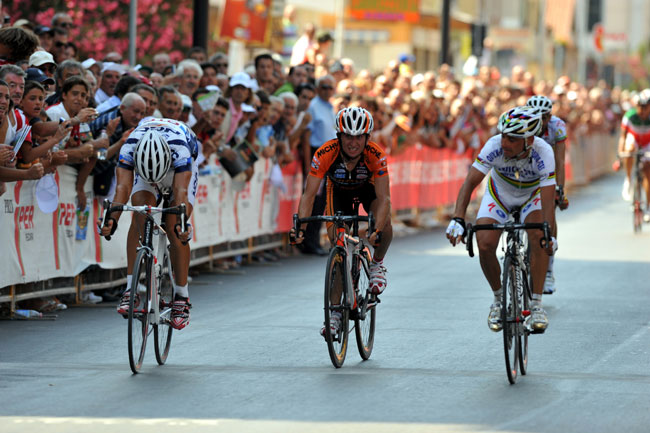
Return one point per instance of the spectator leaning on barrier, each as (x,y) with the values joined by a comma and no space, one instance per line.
(79,147)
(40,149)
(129,114)
(8,170)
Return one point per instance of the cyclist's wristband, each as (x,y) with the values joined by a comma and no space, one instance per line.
(460,221)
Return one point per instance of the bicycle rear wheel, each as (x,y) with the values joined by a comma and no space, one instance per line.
(138,317)
(162,330)
(509,315)
(364,329)
(337,345)
(638,210)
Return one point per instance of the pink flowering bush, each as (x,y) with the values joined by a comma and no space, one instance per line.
(103,25)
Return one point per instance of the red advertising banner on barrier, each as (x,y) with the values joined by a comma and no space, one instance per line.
(245,20)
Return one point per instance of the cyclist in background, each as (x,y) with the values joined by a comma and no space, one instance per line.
(522,173)
(554,133)
(635,135)
(356,169)
(163,154)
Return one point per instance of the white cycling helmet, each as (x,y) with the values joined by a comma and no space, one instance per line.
(354,121)
(520,122)
(541,102)
(644,97)
(152,157)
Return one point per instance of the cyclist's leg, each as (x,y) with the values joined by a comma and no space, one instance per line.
(179,253)
(646,179)
(386,233)
(336,200)
(492,210)
(538,257)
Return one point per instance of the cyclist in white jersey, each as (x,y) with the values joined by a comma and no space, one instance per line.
(554,133)
(151,150)
(522,173)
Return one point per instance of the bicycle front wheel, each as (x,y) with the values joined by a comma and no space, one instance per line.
(510,314)
(138,316)
(162,330)
(337,343)
(364,328)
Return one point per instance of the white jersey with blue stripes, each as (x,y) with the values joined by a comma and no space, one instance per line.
(180,138)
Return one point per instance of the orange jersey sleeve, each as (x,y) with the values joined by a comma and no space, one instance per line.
(376,160)
(324,158)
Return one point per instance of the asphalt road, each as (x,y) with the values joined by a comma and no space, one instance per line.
(252,359)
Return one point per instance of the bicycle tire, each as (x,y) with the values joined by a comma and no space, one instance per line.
(163,330)
(509,315)
(526,296)
(337,345)
(364,330)
(138,316)
(637,211)
(523,334)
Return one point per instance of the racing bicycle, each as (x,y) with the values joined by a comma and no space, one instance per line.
(638,204)
(152,281)
(347,283)
(517,288)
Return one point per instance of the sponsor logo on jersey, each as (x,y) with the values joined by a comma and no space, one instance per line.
(325,149)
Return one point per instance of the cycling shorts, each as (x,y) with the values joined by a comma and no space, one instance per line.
(166,183)
(339,199)
(498,207)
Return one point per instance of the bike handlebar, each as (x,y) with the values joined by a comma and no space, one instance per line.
(146,211)
(509,227)
(334,219)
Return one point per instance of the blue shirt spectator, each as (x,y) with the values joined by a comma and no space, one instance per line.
(322,125)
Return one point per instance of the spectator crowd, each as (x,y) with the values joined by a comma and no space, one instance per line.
(81,110)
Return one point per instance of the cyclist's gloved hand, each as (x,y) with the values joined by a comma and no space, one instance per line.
(456,231)
(375,238)
(107,229)
(296,238)
(185,236)
(560,199)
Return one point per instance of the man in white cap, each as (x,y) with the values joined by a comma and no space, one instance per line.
(239,92)
(93,66)
(111,73)
(43,61)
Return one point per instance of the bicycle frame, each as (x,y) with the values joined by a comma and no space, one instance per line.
(152,228)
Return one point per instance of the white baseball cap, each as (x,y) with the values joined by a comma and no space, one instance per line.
(240,79)
(40,58)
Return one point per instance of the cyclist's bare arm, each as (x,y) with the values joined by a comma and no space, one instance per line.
(473,179)
(180,187)
(382,191)
(307,202)
(548,208)
(560,150)
(122,195)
